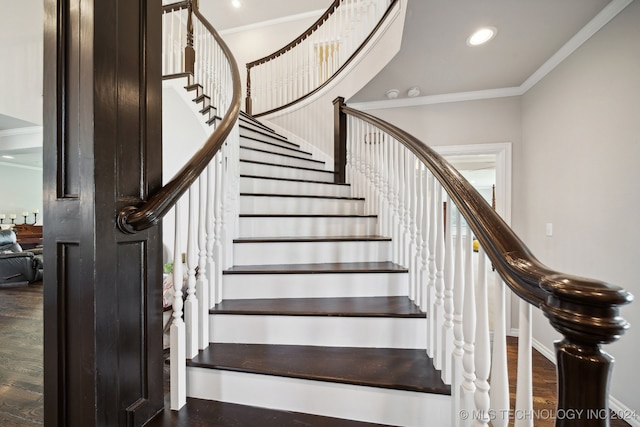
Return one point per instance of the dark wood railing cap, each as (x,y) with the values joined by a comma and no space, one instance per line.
(583,310)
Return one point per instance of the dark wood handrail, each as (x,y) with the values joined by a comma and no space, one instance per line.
(585,311)
(299,40)
(135,218)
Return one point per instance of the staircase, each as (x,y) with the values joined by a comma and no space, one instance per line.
(314,318)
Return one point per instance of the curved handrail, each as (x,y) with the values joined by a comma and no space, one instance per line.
(132,219)
(317,24)
(330,10)
(585,310)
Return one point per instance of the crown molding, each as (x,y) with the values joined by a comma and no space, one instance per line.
(21,131)
(599,21)
(438,99)
(277,21)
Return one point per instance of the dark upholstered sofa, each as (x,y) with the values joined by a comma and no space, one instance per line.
(16,265)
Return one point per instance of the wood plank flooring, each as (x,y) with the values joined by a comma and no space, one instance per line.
(21,381)
(21,384)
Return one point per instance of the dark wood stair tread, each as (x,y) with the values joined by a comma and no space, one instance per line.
(294,180)
(286,166)
(305,216)
(211,413)
(333,267)
(289,156)
(316,239)
(269,134)
(274,144)
(389,368)
(301,196)
(396,306)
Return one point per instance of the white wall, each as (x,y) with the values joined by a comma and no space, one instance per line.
(21,58)
(21,191)
(182,134)
(579,171)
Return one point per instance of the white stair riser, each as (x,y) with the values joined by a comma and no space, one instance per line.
(310,252)
(248,286)
(275,148)
(299,205)
(336,331)
(264,135)
(284,172)
(306,226)
(278,159)
(274,186)
(247,123)
(368,404)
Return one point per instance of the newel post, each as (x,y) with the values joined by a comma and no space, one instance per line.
(189,51)
(586,320)
(340,140)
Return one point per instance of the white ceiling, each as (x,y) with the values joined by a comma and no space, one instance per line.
(434,54)
(224,16)
(436,58)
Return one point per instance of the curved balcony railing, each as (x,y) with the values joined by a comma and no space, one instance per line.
(407,184)
(310,62)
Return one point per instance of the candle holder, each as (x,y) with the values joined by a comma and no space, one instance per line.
(13,220)
(25,218)
(1,220)
(35,218)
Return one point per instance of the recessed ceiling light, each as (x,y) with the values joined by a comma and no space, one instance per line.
(413,92)
(393,93)
(236,3)
(482,36)
(8,157)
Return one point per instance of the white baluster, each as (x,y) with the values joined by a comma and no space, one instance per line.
(412,226)
(202,283)
(499,372)
(407,212)
(469,328)
(483,346)
(217,250)
(438,306)
(419,212)
(524,386)
(447,326)
(211,231)
(177,352)
(431,284)
(424,272)
(458,336)
(191,304)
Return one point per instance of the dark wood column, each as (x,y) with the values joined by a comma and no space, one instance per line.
(102,151)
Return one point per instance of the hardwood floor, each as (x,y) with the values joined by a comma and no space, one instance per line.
(21,385)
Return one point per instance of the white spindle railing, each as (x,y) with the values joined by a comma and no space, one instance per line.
(174,36)
(315,57)
(212,198)
(450,280)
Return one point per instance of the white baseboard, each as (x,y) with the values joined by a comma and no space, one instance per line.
(629,415)
(544,350)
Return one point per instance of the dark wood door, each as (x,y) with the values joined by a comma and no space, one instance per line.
(102,151)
